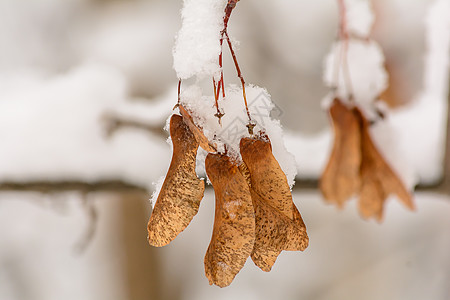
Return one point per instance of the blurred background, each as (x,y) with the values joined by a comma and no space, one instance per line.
(85,89)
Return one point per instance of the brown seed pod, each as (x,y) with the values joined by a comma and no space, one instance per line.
(275,232)
(181,192)
(278,224)
(378,180)
(267,177)
(199,136)
(234,223)
(340,179)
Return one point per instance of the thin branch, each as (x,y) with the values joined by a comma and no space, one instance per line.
(49,186)
(179,92)
(343,34)
(239,74)
(117,186)
(344,38)
(114,123)
(224,33)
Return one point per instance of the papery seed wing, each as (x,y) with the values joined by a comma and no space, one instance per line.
(297,236)
(340,179)
(372,197)
(181,192)
(279,225)
(199,136)
(377,176)
(267,177)
(274,233)
(234,223)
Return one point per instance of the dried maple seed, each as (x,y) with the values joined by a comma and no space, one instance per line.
(199,136)
(378,180)
(267,177)
(278,224)
(181,192)
(234,223)
(340,179)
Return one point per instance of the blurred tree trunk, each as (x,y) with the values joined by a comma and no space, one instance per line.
(143,271)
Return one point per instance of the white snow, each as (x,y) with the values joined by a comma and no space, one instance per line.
(366,78)
(437,24)
(156,190)
(421,124)
(359,17)
(64,65)
(53,130)
(197,47)
(196,53)
(233,124)
(38,248)
(152,112)
(130,36)
(355,66)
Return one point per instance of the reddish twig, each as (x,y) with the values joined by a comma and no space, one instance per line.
(221,82)
(239,74)
(343,34)
(230,6)
(218,114)
(344,37)
(179,92)
(221,85)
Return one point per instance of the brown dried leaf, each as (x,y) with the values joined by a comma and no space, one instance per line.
(340,179)
(234,223)
(278,224)
(378,180)
(181,192)
(203,140)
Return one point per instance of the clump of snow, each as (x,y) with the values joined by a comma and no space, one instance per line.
(233,123)
(356,67)
(53,128)
(197,45)
(196,53)
(157,189)
(437,62)
(425,119)
(359,17)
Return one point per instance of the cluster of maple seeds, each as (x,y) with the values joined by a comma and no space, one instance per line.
(356,167)
(254,214)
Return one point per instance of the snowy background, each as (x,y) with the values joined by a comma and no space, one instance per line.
(68,67)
